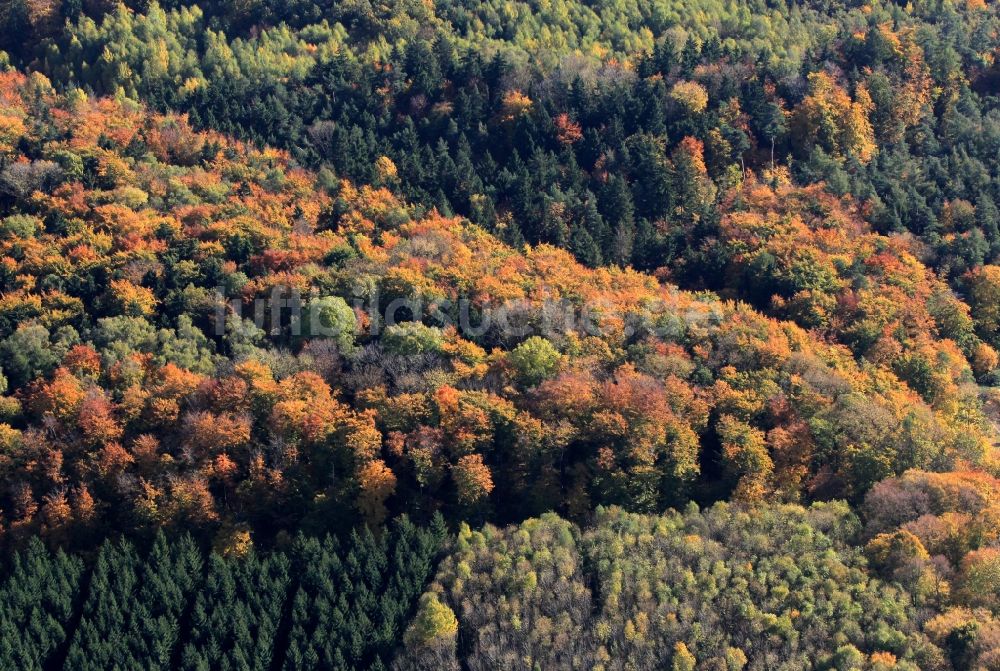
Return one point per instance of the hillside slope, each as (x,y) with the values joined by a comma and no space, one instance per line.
(137,397)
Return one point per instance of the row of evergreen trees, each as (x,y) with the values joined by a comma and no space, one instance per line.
(324,604)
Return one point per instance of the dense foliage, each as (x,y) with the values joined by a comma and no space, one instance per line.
(274,273)
(769,588)
(572,123)
(174,607)
(127,408)
(938,533)
(40,594)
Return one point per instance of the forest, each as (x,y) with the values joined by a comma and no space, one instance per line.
(528,334)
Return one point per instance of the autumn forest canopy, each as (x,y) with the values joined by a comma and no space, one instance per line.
(518,334)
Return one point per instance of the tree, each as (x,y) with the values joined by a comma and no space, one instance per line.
(473,480)
(62,397)
(28,353)
(745,458)
(331,317)
(435,623)
(132,300)
(534,360)
(827,118)
(235,618)
(41,594)
(983,285)
(568,132)
(355,594)
(377,483)
(690,96)
(979,578)
(514,106)
(133,610)
(431,638)
(618,209)
(412,338)
(899,555)
(683,659)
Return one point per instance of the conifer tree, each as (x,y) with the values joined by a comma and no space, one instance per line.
(40,596)
(236,615)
